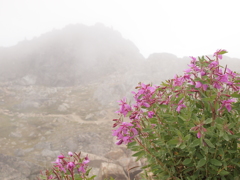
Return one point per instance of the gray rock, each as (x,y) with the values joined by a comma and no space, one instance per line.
(12,168)
(63,107)
(9,173)
(15,134)
(24,168)
(43,145)
(115,154)
(49,153)
(19,153)
(108,170)
(89,116)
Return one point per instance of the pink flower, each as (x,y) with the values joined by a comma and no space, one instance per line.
(82,169)
(193,59)
(230,73)
(200,129)
(144,104)
(58,161)
(199,84)
(86,160)
(61,156)
(70,165)
(147,88)
(125,133)
(134,131)
(203,73)
(124,107)
(178,81)
(219,53)
(70,154)
(213,64)
(119,142)
(59,165)
(199,134)
(150,114)
(222,78)
(193,65)
(180,105)
(217,85)
(187,70)
(227,104)
(51,177)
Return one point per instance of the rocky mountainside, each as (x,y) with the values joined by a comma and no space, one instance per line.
(59,92)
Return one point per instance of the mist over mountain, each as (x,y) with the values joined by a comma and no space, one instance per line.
(80,54)
(70,56)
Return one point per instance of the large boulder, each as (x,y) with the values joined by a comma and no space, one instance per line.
(111,170)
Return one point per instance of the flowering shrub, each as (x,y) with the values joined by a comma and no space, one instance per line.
(188,127)
(71,167)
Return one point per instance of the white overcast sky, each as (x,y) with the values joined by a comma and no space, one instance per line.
(181,27)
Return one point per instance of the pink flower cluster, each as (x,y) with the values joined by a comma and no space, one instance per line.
(125,133)
(200,130)
(202,75)
(64,164)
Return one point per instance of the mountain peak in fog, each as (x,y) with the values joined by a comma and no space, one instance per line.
(69,56)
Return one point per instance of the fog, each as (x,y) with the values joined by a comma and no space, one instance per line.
(60,83)
(183,28)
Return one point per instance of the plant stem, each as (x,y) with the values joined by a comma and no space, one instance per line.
(146,150)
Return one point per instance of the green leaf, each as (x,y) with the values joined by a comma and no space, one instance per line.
(235,95)
(209,143)
(195,143)
(178,132)
(182,146)
(153,120)
(187,161)
(173,142)
(208,121)
(187,137)
(92,177)
(131,144)
(201,163)
(182,118)
(147,130)
(135,148)
(222,51)
(188,170)
(236,174)
(225,136)
(223,173)
(232,151)
(160,143)
(231,125)
(139,154)
(216,162)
